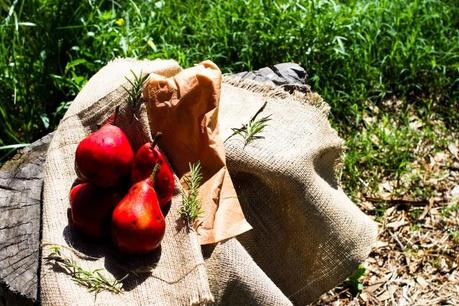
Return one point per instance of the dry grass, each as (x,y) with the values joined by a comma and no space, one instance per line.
(416,257)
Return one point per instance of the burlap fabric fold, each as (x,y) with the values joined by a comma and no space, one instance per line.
(307,235)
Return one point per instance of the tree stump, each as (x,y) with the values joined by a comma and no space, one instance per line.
(21,182)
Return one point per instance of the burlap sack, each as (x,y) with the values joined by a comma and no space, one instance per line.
(307,237)
(175,275)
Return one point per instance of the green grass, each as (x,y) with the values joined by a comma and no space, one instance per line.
(389,144)
(357,54)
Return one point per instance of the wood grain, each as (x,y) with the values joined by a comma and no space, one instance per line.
(20,211)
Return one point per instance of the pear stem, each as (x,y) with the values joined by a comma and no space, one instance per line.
(154,173)
(156,139)
(117,110)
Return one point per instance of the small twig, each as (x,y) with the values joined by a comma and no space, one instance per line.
(396,201)
(191,206)
(400,244)
(262,108)
(94,280)
(255,126)
(135,92)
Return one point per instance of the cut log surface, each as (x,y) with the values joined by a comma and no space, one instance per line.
(20,212)
(21,182)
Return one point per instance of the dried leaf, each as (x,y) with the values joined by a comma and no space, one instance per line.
(397,224)
(453,149)
(455,191)
(422,281)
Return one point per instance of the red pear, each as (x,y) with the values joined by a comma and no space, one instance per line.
(91,208)
(138,224)
(146,158)
(104,156)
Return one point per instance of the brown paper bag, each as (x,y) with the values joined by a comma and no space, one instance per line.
(184,107)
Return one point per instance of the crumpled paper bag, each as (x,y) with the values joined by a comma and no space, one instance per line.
(184,107)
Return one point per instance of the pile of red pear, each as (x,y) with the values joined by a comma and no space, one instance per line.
(120,194)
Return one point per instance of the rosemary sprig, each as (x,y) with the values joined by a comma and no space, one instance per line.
(191,206)
(93,280)
(154,173)
(135,92)
(250,131)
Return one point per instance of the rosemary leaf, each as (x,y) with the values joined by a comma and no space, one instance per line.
(94,281)
(253,128)
(191,207)
(135,92)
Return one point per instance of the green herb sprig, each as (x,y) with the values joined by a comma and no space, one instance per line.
(94,281)
(250,131)
(191,207)
(135,92)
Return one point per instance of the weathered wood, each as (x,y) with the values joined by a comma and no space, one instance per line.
(20,211)
(21,181)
